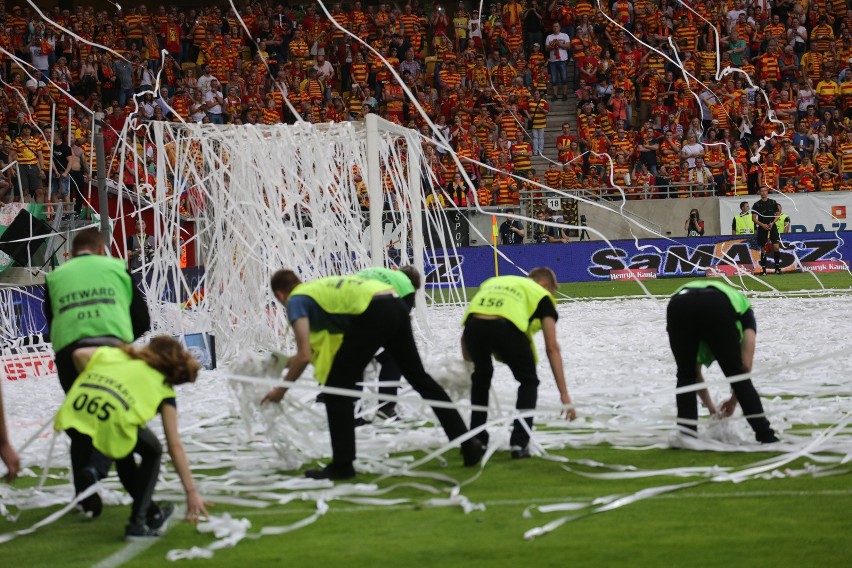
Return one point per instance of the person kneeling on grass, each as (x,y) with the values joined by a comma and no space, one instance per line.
(501,320)
(709,320)
(118,391)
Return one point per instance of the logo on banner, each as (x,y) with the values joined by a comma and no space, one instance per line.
(826,266)
(443,270)
(838,212)
(729,257)
(27,366)
(632,274)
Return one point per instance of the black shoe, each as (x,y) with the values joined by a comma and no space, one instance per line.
(139,531)
(519,453)
(91,505)
(472,451)
(320,398)
(361,422)
(767,437)
(332,471)
(777,271)
(158,514)
(387,411)
(483,438)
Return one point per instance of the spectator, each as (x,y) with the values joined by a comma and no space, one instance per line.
(693,225)
(557,45)
(214,101)
(124,81)
(511,231)
(794,60)
(547,233)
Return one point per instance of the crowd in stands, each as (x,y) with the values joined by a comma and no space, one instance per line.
(720,97)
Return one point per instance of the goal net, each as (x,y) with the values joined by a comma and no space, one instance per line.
(320,199)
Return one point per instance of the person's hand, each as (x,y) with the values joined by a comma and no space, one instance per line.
(275,395)
(728,407)
(569,413)
(196,507)
(12,461)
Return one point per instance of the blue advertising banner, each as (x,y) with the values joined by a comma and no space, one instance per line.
(649,258)
(26,311)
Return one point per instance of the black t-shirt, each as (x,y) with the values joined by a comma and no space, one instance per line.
(747,320)
(532,22)
(649,157)
(542,232)
(765,210)
(545,309)
(508,236)
(61,153)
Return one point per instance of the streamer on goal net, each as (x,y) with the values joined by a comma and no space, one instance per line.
(320,199)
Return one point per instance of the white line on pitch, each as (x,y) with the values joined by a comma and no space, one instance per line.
(523,502)
(133,549)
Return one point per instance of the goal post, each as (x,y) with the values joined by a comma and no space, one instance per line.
(375,124)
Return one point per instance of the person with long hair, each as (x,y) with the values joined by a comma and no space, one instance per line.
(80,313)
(118,391)
(694,226)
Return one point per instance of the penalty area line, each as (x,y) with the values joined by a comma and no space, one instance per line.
(539,501)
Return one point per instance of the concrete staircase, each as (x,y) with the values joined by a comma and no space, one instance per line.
(560,112)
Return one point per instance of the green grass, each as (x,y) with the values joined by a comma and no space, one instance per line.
(794,521)
(795,282)
(780,522)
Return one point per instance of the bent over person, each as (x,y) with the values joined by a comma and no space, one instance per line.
(406,282)
(501,320)
(339,323)
(90,301)
(707,321)
(119,390)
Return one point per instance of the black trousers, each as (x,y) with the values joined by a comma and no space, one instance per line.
(139,480)
(706,314)
(67,372)
(385,323)
(389,373)
(487,337)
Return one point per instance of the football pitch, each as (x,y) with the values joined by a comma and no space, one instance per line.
(626,495)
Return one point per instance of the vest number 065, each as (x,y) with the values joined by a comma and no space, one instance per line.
(93,406)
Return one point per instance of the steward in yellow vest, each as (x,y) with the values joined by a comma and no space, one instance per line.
(406,282)
(118,391)
(500,320)
(90,301)
(706,320)
(369,315)
(743,224)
